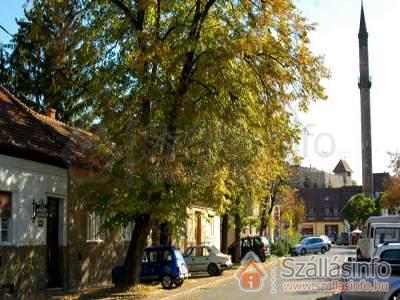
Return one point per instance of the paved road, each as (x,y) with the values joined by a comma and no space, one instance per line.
(229,288)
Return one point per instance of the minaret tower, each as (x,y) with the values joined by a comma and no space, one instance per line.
(365,86)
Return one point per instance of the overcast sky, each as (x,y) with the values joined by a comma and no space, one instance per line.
(334,125)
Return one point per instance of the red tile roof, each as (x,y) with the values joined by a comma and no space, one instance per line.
(27,134)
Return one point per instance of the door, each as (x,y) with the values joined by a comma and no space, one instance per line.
(53,247)
(198,259)
(198,228)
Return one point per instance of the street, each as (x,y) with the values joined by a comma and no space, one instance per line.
(229,289)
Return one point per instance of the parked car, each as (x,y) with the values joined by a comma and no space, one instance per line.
(258,244)
(207,259)
(310,245)
(386,252)
(377,230)
(160,263)
(327,241)
(332,237)
(344,239)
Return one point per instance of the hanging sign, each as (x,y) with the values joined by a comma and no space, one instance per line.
(40,210)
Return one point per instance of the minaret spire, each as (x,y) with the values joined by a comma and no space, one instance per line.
(365,86)
(363,26)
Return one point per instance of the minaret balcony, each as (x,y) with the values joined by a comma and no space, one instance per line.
(364,82)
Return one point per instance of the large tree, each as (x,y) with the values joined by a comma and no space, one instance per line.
(172,78)
(48,60)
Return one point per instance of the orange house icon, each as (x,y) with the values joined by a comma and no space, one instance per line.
(251,276)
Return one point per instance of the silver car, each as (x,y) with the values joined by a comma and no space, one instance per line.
(310,245)
(207,259)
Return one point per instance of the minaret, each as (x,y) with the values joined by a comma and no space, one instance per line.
(365,86)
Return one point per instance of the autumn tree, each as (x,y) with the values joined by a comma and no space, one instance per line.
(293,209)
(391,196)
(169,75)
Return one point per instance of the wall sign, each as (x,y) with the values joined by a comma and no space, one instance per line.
(40,211)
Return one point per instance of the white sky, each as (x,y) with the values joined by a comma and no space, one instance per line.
(334,125)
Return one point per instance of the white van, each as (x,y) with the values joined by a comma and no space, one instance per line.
(377,230)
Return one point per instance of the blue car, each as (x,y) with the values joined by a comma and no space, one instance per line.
(310,245)
(160,263)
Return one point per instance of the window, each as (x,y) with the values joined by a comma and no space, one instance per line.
(336,212)
(391,255)
(212,226)
(5,217)
(167,255)
(127,231)
(198,251)
(387,234)
(94,224)
(311,212)
(326,211)
(153,256)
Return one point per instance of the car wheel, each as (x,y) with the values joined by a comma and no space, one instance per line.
(323,250)
(213,270)
(178,282)
(359,257)
(166,282)
(303,251)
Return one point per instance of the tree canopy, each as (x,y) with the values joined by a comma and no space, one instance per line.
(358,209)
(193,101)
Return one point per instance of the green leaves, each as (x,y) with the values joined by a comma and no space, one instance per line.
(358,209)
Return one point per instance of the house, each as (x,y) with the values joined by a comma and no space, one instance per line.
(49,240)
(202,227)
(325,194)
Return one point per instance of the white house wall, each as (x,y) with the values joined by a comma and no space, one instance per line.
(28,180)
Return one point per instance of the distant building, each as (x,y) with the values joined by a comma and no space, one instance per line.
(309,177)
(325,194)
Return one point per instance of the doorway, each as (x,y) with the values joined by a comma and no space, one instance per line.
(53,244)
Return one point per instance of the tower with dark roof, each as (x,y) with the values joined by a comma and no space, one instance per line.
(343,169)
(364,85)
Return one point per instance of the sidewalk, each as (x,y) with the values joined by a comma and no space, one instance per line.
(147,291)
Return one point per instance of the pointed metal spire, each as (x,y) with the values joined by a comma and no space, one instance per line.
(363,26)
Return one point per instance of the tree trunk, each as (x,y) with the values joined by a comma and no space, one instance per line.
(224,233)
(165,238)
(155,233)
(133,259)
(263,218)
(237,253)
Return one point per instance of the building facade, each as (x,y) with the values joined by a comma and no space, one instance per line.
(324,200)
(49,239)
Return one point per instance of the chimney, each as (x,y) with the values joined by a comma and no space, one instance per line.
(51,113)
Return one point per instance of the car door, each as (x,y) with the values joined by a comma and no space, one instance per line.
(145,271)
(196,260)
(314,244)
(202,259)
(154,264)
(246,246)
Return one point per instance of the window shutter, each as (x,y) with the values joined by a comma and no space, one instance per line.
(5,205)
